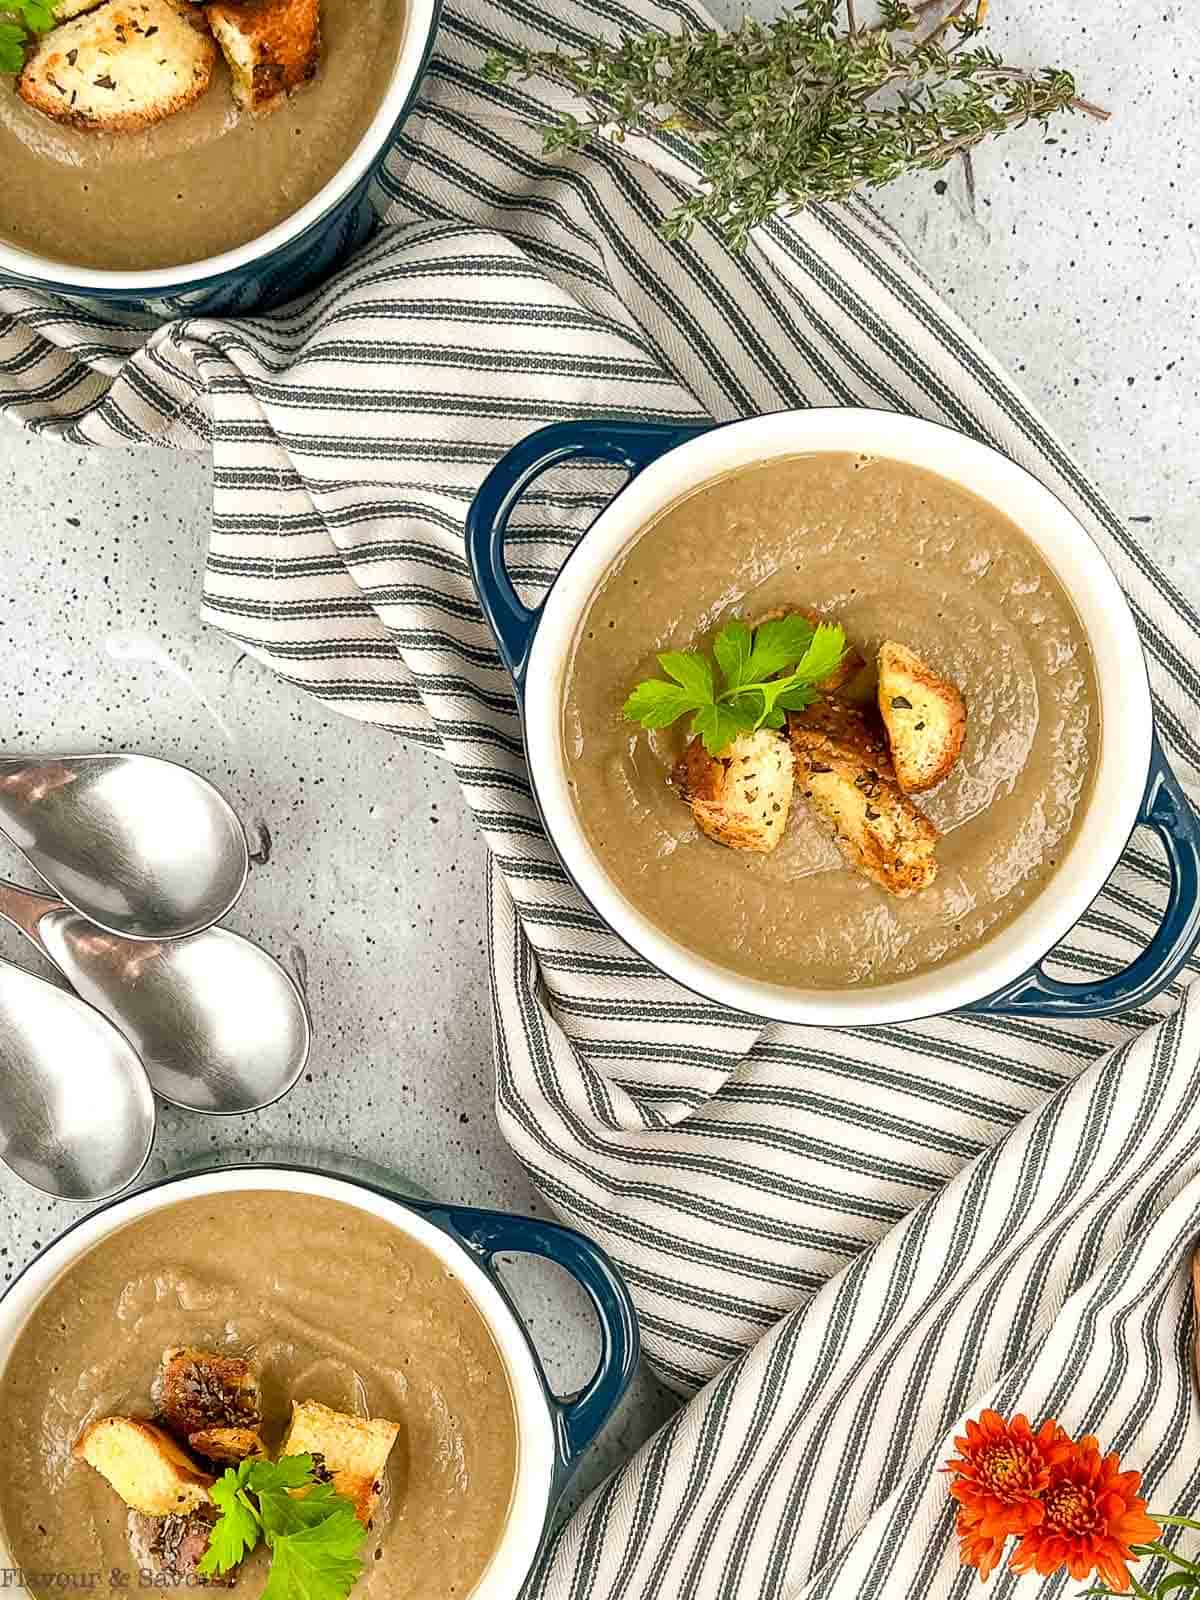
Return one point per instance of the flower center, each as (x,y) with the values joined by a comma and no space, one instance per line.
(1071,1508)
(1002,1465)
(1007,1470)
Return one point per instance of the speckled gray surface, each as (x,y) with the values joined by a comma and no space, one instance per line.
(1078,263)
(374,874)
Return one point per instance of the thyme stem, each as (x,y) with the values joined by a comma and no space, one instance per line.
(917,10)
(947,22)
(785,114)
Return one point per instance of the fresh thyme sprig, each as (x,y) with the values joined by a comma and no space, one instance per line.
(810,107)
(20,21)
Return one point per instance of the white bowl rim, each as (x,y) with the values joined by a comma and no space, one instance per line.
(420,24)
(533,1489)
(1111,808)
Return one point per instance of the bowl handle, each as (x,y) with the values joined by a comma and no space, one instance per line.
(632,445)
(1167,810)
(578,1418)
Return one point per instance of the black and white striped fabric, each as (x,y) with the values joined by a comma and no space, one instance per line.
(842,1240)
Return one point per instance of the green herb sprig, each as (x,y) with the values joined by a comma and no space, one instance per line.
(1179,1581)
(315,1538)
(764,673)
(20,22)
(810,107)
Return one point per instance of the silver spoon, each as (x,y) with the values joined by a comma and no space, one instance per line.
(142,847)
(218,1023)
(76,1110)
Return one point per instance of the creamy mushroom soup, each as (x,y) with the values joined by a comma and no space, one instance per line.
(334,1306)
(889,551)
(206,180)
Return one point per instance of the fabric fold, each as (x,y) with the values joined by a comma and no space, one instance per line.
(1051,1275)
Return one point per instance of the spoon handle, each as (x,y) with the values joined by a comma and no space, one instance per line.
(24,910)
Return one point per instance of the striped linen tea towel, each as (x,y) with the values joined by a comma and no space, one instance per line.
(838,1241)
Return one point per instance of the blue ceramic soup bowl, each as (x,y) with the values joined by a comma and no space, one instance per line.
(552,1432)
(1132,784)
(293,256)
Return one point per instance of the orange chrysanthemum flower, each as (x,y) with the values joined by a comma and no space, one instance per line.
(1092,1515)
(1001,1472)
(976,1549)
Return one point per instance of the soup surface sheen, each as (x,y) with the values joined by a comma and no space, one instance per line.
(889,551)
(204,181)
(336,1307)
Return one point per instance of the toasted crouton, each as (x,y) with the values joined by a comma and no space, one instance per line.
(353,1450)
(851,663)
(144,1465)
(228,1444)
(877,827)
(200,1390)
(742,797)
(858,728)
(272,47)
(170,1549)
(124,66)
(925,718)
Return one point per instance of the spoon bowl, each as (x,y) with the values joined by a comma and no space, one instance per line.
(139,846)
(219,1025)
(77,1114)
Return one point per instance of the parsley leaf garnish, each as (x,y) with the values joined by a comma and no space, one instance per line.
(314,1538)
(317,1563)
(289,1472)
(765,672)
(692,672)
(284,1513)
(19,21)
(12,46)
(779,643)
(656,704)
(237,1530)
